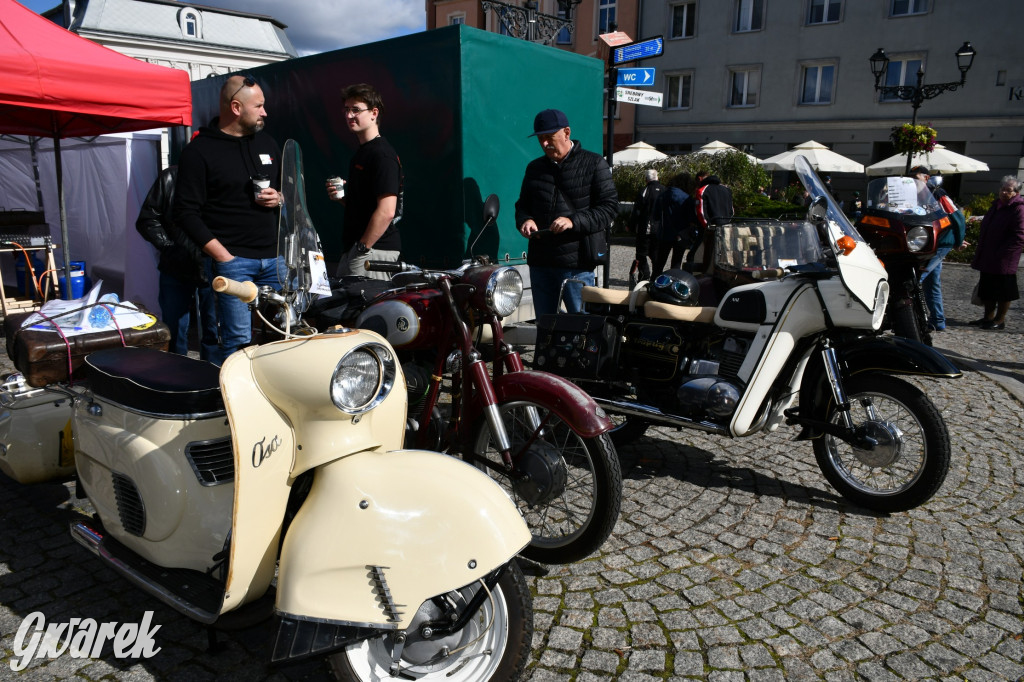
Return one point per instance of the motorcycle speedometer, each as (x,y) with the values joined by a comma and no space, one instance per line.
(363,378)
(917,238)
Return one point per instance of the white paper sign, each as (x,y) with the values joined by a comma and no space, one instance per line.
(902,194)
(318,270)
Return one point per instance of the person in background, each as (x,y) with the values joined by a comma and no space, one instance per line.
(949,239)
(566,203)
(713,206)
(373,192)
(998,254)
(184,271)
(216,202)
(677,224)
(855,207)
(643,221)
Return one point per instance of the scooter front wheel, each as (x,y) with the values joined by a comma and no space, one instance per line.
(494,645)
(567,487)
(911,458)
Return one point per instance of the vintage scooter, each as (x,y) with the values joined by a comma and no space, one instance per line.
(801,348)
(288,463)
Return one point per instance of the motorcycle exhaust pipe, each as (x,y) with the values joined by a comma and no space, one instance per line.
(633,409)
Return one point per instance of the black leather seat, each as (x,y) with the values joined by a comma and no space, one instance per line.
(154,381)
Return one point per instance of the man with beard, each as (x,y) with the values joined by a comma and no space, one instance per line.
(218,202)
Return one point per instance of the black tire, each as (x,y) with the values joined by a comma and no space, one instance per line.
(913,455)
(497,652)
(903,319)
(627,430)
(576,514)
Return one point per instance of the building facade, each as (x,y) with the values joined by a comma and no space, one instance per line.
(765,75)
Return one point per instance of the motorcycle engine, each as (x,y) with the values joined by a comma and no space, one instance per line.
(710,388)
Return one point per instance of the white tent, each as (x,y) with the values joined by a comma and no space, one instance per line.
(638,152)
(719,147)
(939,159)
(821,158)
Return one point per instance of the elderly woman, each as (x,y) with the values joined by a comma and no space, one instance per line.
(998,252)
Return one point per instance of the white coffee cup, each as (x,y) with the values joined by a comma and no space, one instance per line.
(260,184)
(337,187)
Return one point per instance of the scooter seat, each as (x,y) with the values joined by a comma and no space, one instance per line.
(612,296)
(679,313)
(155,382)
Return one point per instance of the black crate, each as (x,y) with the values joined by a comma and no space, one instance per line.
(577,346)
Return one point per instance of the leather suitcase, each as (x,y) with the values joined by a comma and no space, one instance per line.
(43,357)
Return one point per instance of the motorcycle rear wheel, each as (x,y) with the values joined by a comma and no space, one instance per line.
(912,459)
(587,482)
(494,645)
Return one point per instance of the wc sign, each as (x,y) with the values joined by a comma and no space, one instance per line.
(636,78)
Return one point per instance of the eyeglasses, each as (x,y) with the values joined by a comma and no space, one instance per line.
(247,82)
(353,111)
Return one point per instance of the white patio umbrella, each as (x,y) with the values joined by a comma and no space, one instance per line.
(939,159)
(719,147)
(638,152)
(820,157)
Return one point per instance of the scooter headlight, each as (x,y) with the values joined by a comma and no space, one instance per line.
(881,299)
(363,378)
(917,239)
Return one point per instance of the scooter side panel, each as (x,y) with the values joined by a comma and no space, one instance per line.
(35,437)
(428,522)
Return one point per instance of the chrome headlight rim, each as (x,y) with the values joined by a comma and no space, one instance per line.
(386,373)
(497,296)
(881,301)
(917,239)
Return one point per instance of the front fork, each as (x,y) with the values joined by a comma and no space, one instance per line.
(853,435)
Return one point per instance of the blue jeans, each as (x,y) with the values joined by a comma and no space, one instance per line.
(931,286)
(177,301)
(234,317)
(546,283)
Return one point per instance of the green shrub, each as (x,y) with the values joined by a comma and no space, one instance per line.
(975,208)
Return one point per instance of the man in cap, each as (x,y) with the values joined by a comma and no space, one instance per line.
(566,204)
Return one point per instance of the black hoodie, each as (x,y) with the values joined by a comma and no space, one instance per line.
(214,197)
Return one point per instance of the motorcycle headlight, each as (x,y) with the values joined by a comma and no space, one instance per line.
(363,378)
(917,239)
(504,291)
(881,299)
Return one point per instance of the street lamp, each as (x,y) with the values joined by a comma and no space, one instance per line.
(917,94)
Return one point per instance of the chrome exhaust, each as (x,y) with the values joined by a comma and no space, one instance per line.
(634,409)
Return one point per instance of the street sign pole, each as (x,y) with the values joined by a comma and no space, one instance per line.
(613,75)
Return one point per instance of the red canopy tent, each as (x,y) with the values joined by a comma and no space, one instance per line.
(57,85)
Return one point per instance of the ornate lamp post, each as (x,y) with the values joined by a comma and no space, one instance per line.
(917,94)
(527,23)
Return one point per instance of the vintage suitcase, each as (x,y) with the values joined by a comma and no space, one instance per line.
(577,346)
(43,357)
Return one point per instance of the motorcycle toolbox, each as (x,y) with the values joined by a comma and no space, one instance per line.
(577,346)
(43,357)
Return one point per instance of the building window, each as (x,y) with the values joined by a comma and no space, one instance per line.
(679,91)
(749,15)
(818,84)
(901,8)
(824,11)
(191,23)
(745,85)
(684,17)
(457,19)
(563,37)
(901,72)
(605,15)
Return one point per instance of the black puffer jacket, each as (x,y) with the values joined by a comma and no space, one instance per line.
(580,188)
(180,257)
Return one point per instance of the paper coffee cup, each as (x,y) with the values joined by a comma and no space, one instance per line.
(260,184)
(337,187)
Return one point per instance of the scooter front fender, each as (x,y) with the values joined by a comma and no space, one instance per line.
(567,400)
(382,532)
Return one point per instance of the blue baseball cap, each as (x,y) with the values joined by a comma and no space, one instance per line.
(548,121)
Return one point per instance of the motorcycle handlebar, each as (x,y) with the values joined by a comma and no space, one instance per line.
(768,273)
(389,266)
(244,291)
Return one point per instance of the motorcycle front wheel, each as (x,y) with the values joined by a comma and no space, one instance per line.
(568,488)
(911,460)
(494,645)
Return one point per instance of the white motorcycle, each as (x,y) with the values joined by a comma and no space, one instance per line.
(287,463)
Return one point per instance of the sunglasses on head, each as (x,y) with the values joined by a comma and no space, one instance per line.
(247,82)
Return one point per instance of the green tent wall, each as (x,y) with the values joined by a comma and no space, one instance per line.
(458,107)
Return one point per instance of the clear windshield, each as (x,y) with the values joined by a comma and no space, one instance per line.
(297,238)
(902,195)
(748,246)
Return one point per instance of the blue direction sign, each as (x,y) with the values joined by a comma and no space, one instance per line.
(636,77)
(642,49)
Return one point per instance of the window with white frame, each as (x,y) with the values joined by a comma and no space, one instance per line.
(745,83)
(679,90)
(749,15)
(818,83)
(457,18)
(605,15)
(824,11)
(191,23)
(684,15)
(902,8)
(901,71)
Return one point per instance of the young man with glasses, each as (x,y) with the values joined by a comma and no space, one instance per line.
(373,192)
(216,202)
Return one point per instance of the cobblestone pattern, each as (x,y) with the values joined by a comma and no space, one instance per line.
(732,560)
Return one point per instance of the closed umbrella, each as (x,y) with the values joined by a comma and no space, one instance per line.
(638,152)
(821,158)
(719,147)
(940,160)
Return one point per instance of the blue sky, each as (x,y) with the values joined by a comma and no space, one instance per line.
(321,25)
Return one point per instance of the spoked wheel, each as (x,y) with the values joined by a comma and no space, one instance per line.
(494,645)
(568,488)
(911,459)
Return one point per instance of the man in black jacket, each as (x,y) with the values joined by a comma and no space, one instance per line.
(641,220)
(216,203)
(566,205)
(714,208)
(184,280)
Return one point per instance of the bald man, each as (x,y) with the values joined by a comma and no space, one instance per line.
(217,205)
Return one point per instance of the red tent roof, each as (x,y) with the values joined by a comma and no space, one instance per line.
(56,83)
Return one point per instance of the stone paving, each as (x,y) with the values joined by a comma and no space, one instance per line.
(732,560)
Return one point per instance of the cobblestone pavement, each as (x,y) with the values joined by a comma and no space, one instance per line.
(732,560)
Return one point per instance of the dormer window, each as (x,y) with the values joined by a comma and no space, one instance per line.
(191,23)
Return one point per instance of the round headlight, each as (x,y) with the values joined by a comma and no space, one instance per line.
(917,238)
(363,378)
(504,291)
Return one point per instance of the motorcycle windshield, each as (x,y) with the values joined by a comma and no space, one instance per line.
(860,270)
(902,196)
(297,239)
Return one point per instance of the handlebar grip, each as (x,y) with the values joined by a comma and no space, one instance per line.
(768,273)
(244,291)
(387,266)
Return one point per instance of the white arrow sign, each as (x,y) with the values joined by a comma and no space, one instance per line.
(650,99)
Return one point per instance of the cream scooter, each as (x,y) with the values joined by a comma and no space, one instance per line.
(290,460)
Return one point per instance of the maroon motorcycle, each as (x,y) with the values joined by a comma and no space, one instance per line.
(540,436)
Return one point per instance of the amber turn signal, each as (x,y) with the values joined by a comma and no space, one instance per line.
(846,244)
